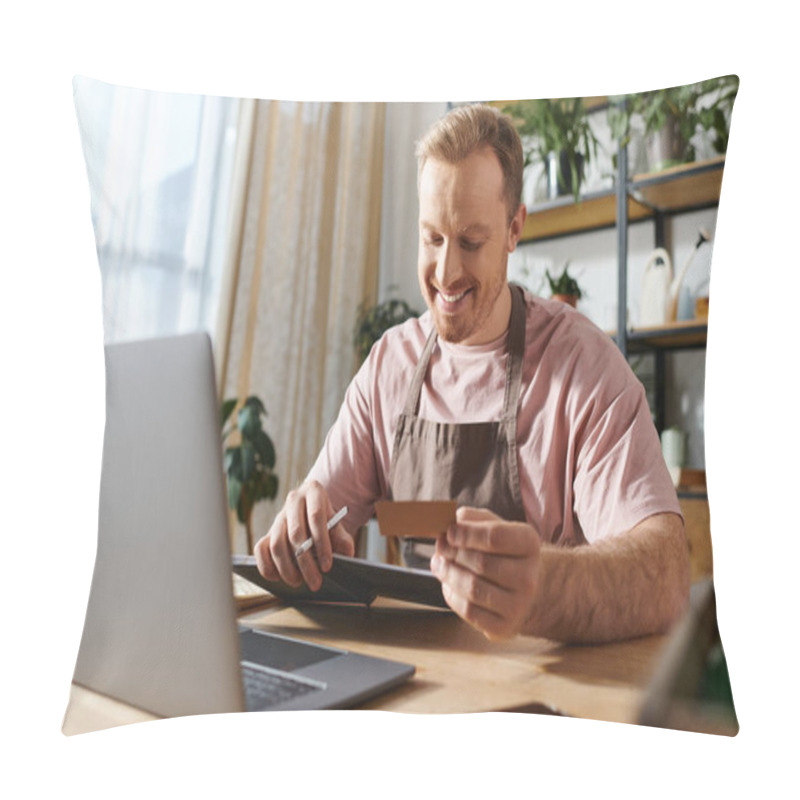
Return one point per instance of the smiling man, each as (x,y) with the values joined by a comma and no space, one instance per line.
(465,238)
(568,525)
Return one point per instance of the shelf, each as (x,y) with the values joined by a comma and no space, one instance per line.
(680,188)
(685,334)
(688,333)
(564,216)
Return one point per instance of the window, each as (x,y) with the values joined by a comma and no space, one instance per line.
(160,169)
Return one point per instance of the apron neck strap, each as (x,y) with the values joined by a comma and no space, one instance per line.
(412,399)
(516,350)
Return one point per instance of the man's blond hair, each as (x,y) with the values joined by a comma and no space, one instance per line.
(466,129)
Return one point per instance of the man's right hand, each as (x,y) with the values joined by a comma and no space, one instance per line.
(305,513)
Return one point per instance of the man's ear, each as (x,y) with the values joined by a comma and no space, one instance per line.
(515,229)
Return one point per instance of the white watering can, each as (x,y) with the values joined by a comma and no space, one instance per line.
(656,289)
(660,290)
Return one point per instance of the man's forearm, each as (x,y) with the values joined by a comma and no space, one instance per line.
(630,585)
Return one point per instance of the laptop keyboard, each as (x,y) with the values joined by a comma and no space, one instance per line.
(264,688)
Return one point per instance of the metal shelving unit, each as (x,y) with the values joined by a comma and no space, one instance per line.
(638,198)
(634,199)
(680,190)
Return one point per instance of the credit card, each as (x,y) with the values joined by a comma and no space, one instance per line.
(417,519)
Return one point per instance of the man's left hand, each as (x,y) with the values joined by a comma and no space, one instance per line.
(489,570)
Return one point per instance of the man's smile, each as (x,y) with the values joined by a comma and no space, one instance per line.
(451,301)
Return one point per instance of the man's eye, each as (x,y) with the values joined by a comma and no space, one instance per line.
(470,245)
(433,240)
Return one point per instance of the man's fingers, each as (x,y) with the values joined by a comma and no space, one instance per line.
(492,536)
(318,511)
(504,571)
(482,604)
(266,566)
(471,514)
(305,561)
(342,542)
(282,550)
(489,571)
(299,546)
(474,588)
(273,555)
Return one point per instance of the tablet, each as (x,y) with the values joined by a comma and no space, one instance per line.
(352,580)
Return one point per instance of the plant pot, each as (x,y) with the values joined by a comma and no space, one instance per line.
(667,147)
(569,299)
(560,183)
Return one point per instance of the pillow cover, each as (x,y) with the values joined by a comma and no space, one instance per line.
(191,235)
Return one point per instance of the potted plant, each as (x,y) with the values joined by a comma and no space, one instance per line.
(564,287)
(374,321)
(249,459)
(671,118)
(558,134)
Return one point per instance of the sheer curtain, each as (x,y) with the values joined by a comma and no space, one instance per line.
(159,168)
(257,221)
(304,258)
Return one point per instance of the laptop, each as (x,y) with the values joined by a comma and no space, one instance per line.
(160,631)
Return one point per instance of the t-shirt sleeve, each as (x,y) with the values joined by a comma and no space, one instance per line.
(346,464)
(620,475)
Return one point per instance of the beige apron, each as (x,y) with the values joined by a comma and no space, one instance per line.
(473,463)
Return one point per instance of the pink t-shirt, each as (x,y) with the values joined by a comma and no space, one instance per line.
(590,462)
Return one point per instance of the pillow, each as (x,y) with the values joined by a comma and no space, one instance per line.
(190,236)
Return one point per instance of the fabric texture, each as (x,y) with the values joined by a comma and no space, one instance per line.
(590,462)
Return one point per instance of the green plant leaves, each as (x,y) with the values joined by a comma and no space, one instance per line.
(548,126)
(234,491)
(255,403)
(266,486)
(243,506)
(373,321)
(564,283)
(265,449)
(556,126)
(232,461)
(705,105)
(225,410)
(249,465)
(248,461)
(248,421)
(619,119)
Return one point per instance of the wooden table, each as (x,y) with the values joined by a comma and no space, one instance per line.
(457,669)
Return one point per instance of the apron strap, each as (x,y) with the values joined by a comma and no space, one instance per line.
(412,400)
(516,352)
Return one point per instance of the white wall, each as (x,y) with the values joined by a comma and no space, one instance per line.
(405,124)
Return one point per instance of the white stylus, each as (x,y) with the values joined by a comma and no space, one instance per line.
(332,522)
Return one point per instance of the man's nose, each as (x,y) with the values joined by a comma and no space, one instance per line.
(448,266)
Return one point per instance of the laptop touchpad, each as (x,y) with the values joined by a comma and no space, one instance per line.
(281,653)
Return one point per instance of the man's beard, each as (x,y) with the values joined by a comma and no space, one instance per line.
(456,328)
